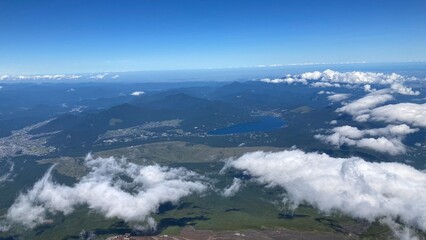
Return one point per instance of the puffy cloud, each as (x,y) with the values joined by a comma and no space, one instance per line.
(104,190)
(137,93)
(409,113)
(364,105)
(388,139)
(368,88)
(392,146)
(401,89)
(355,77)
(352,186)
(338,97)
(330,78)
(312,75)
(233,189)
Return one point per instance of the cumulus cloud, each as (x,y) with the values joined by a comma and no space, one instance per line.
(330,78)
(233,189)
(312,75)
(137,93)
(384,140)
(368,88)
(364,105)
(352,186)
(338,97)
(401,89)
(409,113)
(355,77)
(104,190)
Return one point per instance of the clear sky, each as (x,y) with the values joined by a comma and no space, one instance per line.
(77,36)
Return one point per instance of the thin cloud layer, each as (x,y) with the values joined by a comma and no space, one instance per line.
(105,190)
(288,80)
(7,168)
(352,186)
(384,140)
(338,97)
(58,77)
(233,188)
(40,77)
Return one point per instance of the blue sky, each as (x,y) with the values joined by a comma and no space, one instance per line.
(78,36)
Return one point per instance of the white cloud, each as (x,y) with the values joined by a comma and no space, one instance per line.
(401,89)
(400,232)
(10,166)
(338,97)
(365,104)
(288,80)
(368,88)
(137,93)
(4,227)
(330,78)
(352,186)
(104,191)
(325,84)
(409,113)
(356,77)
(392,146)
(384,140)
(99,76)
(233,189)
(41,77)
(312,75)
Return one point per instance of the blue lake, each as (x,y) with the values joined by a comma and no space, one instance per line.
(263,124)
